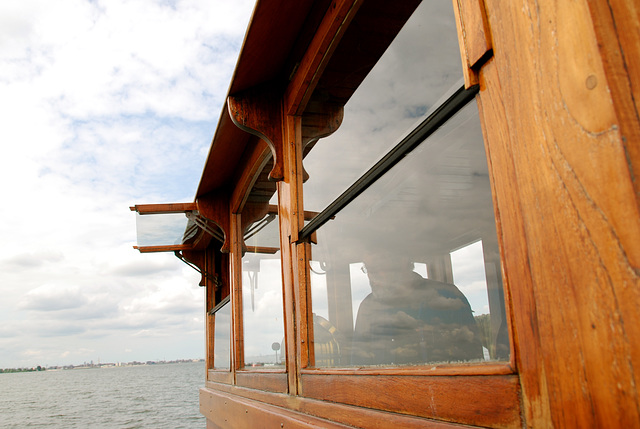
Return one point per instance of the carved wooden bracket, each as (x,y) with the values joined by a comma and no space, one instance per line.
(215,208)
(258,111)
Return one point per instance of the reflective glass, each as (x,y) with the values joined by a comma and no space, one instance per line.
(409,272)
(410,79)
(163,229)
(262,311)
(222,338)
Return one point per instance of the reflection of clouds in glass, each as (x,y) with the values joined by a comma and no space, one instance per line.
(422,63)
(263,324)
(420,269)
(433,209)
(266,234)
(160,229)
(469,276)
(435,200)
(222,344)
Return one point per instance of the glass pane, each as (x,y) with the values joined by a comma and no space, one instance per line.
(222,338)
(262,310)
(164,229)
(409,272)
(413,75)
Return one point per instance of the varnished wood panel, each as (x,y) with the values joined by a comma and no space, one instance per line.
(518,271)
(339,413)
(233,412)
(491,401)
(272,382)
(617,28)
(220,376)
(568,215)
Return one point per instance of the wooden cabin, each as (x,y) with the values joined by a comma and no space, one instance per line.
(421,214)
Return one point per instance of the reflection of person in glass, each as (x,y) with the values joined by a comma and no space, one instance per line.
(407,319)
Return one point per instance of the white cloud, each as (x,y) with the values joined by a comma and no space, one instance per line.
(103,104)
(53,297)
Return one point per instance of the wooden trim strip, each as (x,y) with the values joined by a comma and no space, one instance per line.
(263,249)
(167,248)
(145,209)
(435,370)
(326,39)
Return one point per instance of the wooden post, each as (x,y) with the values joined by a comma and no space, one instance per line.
(210,302)
(237,345)
(291,220)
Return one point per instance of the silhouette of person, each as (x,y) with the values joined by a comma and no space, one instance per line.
(407,319)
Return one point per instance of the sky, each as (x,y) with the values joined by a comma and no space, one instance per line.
(104,104)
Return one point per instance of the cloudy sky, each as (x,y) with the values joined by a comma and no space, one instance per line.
(103,104)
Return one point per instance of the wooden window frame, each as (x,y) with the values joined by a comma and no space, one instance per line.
(479,394)
(489,390)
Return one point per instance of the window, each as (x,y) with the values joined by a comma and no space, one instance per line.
(411,79)
(222,335)
(262,312)
(406,269)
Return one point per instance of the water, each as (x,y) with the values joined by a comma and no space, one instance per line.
(151,396)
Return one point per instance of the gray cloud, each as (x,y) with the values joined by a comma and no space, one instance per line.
(54,328)
(104,106)
(53,298)
(32,259)
(141,268)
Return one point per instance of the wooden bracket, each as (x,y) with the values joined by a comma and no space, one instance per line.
(215,207)
(258,111)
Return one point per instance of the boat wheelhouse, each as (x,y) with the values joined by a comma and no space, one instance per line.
(421,214)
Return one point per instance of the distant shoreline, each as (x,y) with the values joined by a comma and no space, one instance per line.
(91,365)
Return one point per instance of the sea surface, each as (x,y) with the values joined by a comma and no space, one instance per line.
(146,396)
